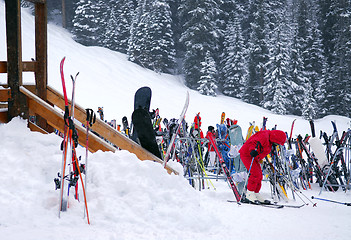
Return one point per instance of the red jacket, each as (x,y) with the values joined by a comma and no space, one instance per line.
(262,141)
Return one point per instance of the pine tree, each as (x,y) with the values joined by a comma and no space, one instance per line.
(118,23)
(341,67)
(160,34)
(207,83)
(315,66)
(199,36)
(234,72)
(151,42)
(277,85)
(258,52)
(87,27)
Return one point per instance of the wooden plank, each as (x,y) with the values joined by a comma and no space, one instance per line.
(107,131)
(41,50)
(41,56)
(3,67)
(5,94)
(3,105)
(35,128)
(55,119)
(3,116)
(29,66)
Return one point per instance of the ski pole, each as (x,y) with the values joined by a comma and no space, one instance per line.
(90,120)
(328,200)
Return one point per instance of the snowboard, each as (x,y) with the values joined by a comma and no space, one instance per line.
(142,99)
(146,134)
(236,141)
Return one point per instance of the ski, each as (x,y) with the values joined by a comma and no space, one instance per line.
(291,131)
(272,205)
(210,137)
(222,117)
(267,205)
(181,118)
(62,202)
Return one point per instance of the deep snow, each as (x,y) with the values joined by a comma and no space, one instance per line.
(132,199)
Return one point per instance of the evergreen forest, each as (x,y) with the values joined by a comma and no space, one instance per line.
(288,56)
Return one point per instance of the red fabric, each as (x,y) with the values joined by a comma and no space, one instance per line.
(210,147)
(261,141)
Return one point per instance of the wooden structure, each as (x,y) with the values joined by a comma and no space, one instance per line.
(42,101)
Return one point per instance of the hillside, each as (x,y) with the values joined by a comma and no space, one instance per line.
(128,198)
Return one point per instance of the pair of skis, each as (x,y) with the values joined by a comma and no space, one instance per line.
(70,136)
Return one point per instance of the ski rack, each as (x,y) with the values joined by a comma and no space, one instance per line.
(347,185)
(52,111)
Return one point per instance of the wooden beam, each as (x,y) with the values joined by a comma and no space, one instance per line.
(5,94)
(55,119)
(41,50)
(17,104)
(41,56)
(3,117)
(35,128)
(3,105)
(3,67)
(27,66)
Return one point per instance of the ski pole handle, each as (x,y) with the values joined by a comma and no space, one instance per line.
(91,116)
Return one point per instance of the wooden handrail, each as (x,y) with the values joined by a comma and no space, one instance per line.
(100,127)
(55,119)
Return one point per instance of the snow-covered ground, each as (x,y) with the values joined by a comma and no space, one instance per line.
(132,199)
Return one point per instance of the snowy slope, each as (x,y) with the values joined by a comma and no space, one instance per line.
(128,198)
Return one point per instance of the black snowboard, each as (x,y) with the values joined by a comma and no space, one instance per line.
(146,134)
(142,99)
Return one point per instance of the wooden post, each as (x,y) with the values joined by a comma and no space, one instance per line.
(17,104)
(41,56)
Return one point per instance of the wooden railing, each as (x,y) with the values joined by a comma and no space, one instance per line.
(54,117)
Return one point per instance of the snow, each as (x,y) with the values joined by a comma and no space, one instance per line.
(132,199)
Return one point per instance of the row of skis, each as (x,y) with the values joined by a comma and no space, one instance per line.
(304,160)
(293,167)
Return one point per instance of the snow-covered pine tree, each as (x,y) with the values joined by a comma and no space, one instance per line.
(315,66)
(138,34)
(199,36)
(234,63)
(118,23)
(160,35)
(277,85)
(340,77)
(258,52)
(87,22)
(151,42)
(207,82)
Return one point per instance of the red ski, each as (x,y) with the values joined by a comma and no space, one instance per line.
(230,181)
